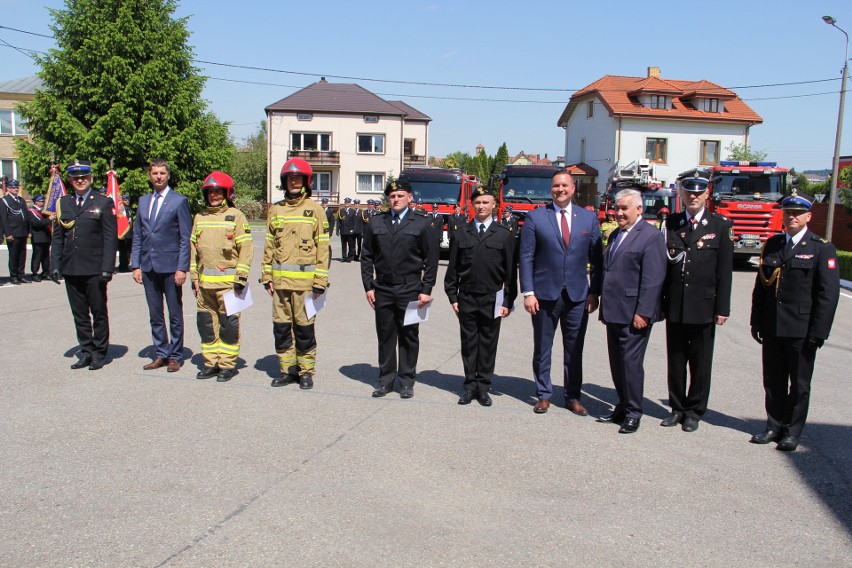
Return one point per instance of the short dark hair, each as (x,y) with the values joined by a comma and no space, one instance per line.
(159,163)
(562,172)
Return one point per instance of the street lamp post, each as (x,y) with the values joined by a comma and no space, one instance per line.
(832,194)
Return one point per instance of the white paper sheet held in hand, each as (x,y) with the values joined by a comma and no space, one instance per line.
(413,314)
(498,302)
(313,306)
(234,304)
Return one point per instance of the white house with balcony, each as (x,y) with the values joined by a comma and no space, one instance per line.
(352,138)
(675,125)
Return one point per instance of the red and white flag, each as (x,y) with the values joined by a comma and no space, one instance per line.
(120,214)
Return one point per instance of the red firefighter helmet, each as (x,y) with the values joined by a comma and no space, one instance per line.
(610,212)
(661,211)
(297,166)
(589,208)
(219,180)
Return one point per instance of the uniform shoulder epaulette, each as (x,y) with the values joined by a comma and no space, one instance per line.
(718,216)
(818,238)
(421,213)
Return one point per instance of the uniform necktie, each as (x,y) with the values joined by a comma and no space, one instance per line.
(79,202)
(692,223)
(566,232)
(395,220)
(155,207)
(789,247)
(481,229)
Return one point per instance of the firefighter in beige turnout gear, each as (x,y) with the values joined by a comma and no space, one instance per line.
(221,255)
(295,264)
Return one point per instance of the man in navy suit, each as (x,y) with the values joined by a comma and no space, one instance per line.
(160,261)
(558,242)
(633,276)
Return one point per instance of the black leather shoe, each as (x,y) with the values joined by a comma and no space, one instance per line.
(787,444)
(207,373)
(95,365)
(629,426)
(672,419)
(36,278)
(765,437)
(306,382)
(84,362)
(284,380)
(15,282)
(226,375)
(613,416)
(690,424)
(485,399)
(466,398)
(406,392)
(381,391)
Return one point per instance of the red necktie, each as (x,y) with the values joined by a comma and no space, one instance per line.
(566,232)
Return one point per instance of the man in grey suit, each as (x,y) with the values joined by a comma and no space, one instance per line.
(160,261)
(558,242)
(633,276)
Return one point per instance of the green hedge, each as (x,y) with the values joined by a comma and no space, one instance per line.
(844,258)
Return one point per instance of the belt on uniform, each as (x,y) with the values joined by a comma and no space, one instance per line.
(295,267)
(397,279)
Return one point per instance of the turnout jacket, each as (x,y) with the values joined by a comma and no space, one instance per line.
(221,248)
(700,265)
(482,265)
(796,292)
(296,253)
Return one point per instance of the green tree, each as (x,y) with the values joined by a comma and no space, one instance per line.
(457,160)
(844,186)
(744,153)
(249,167)
(500,160)
(120,86)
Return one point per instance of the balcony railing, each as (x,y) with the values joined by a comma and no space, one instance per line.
(316,158)
(413,160)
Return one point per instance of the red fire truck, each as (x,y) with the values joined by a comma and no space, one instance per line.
(525,188)
(747,193)
(446,187)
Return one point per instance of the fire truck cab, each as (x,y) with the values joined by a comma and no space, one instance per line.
(525,188)
(639,175)
(444,187)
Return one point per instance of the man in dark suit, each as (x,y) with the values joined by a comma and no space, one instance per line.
(346,230)
(16,227)
(83,251)
(558,242)
(160,261)
(40,239)
(792,308)
(330,217)
(634,271)
(696,299)
(399,266)
(482,262)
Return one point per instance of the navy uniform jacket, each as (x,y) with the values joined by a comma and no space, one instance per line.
(13,212)
(482,266)
(84,240)
(698,279)
(798,292)
(346,220)
(331,218)
(39,226)
(511,223)
(408,255)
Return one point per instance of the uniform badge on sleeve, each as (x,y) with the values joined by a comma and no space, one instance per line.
(832,263)
(309,213)
(230,218)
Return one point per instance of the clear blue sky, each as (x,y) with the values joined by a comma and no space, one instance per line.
(543,45)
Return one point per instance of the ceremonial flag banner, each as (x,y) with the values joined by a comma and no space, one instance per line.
(55,190)
(120,214)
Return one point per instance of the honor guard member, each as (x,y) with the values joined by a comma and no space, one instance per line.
(399,265)
(482,262)
(330,218)
(510,221)
(696,298)
(295,265)
(346,229)
(456,220)
(360,220)
(40,239)
(608,226)
(83,251)
(16,228)
(792,309)
(371,208)
(125,242)
(220,261)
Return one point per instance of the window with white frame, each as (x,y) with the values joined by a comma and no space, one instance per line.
(659,101)
(12,124)
(655,149)
(305,141)
(590,109)
(371,118)
(371,183)
(711,105)
(371,143)
(9,168)
(709,152)
(321,184)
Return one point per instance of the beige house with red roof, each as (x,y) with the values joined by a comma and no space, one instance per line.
(352,138)
(675,125)
(12,126)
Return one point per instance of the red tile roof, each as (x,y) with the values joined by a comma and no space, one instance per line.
(582,169)
(615,93)
(349,98)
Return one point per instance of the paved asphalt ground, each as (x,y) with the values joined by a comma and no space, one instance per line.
(125,467)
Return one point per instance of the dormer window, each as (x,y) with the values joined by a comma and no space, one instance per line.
(659,101)
(711,105)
